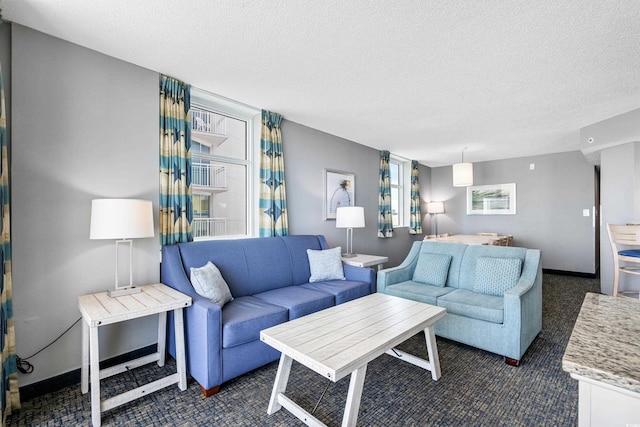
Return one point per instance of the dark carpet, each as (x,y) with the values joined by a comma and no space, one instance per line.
(476,389)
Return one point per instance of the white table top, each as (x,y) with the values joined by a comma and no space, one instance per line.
(469,239)
(362,260)
(335,341)
(101,309)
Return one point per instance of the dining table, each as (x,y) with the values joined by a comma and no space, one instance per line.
(469,239)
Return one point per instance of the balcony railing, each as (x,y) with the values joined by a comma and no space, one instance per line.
(209,227)
(206,121)
(209,175)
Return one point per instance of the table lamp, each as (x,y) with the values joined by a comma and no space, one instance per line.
(435,208)
(350,217)
(123,220)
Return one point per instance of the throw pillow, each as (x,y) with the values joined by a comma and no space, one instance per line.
(494,276)
(208,282)
(432,269)
(325,264)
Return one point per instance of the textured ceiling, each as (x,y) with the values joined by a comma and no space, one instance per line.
(423,79)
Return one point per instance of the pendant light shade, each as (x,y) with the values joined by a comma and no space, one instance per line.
(462,173)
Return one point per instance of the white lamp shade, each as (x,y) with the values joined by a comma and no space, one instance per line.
(350,217)
(435,207)
(462,174)
(121,219)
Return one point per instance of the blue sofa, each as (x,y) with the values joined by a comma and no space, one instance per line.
(479,312)
(269,280)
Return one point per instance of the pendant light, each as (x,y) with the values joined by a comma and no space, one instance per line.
(462,173)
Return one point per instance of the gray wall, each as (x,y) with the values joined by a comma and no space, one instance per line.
(549,207)
(85,126)
(307,152)
(620,200)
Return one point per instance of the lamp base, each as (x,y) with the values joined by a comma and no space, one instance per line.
(114,293)
(349,255)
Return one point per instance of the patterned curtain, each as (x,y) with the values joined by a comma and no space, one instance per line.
(385,219)
(415,216)
(176,210)
(9,393)
(273,197)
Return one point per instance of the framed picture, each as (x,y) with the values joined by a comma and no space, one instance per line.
(498,199)
(339,190)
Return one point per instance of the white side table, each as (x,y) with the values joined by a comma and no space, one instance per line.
(99,310)
(362,260)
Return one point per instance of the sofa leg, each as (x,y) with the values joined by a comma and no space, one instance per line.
(511,362)
(210,392)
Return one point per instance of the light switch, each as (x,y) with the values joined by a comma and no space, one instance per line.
(532,166)
(585,212)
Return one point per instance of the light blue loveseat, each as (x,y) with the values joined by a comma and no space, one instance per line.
(269,280)
(480,312)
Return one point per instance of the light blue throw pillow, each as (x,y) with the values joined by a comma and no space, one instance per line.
(494,276)
(432,269)
(208,282)
(325,264)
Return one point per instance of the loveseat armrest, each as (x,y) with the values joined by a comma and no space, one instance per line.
(523,303)
(401,273)
(203,324)
(361,274)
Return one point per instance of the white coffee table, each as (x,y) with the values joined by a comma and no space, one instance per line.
(342,340)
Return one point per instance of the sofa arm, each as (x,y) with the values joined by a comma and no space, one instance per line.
(523,303)
(360,274)
(401,273)
(203,324)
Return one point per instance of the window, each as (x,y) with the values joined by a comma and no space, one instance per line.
(221,147)
(400,177)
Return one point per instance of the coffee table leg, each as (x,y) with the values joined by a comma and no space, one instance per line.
(432,349)
(356,384)
(280,384)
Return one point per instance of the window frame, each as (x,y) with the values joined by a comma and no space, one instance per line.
(251,116)
(403,187)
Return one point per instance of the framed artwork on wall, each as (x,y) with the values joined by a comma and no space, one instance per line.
(497,199)
(339,190)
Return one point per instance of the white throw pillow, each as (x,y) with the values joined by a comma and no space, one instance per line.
(208,282)
(325,264)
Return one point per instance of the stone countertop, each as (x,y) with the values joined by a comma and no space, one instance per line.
(605,342)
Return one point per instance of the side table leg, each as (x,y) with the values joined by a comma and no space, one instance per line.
(432,349)
(356,384)
(162,337)
(280,384)
(94,353)
(84,370)
(180,355)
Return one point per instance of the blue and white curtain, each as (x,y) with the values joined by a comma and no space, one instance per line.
(9,394)
(415,216)
(176,209)
(273,219)
(385,218)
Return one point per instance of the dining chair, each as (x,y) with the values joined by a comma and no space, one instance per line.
(622,237)
(509,240)
(430,236)
(445,235)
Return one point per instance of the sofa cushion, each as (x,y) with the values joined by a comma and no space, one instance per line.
(494,276)
(244,318)
(342,290)
(476,306)
(325,264)
(208,282)
(432,269)
(418,291)
(298,300)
